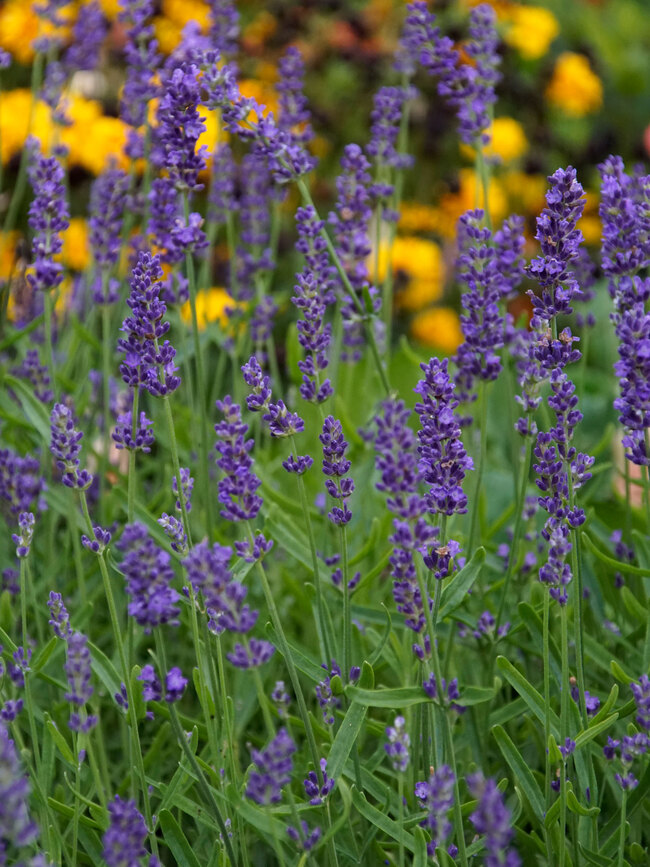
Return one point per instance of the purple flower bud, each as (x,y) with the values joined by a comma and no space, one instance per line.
(175,685)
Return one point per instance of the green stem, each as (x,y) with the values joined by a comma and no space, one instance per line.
(481,465)
(201,386)
(49,352)
(106,376)
(484,174)
(547,711)
(513,559)
(177,467)
(206,791)
(564,725)
(288,659)
(347,618)
(620,860)
(117,637)
(132,478)
(367,321)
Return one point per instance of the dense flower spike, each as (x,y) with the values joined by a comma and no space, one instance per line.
(420,42)
(77,669)
(49,216)
(493,819)
(36,374)
(559,241)
(315,791)
(143,61)
(23,539)
(175,685)
(224,25)
(633,371)
(641,693)
(280,421)
(179,128)
(313,294)
(124,839)
(221,195)
(148,577)
(398,744)
(88,35)
(106,215)
(65,445)
(273,766)
(443,459)
(294,114)
(335,466)
(21,485)
(436,796)
(60,620)
(561,471)
(147,362)
(238,485)
(16,826)
(397,461)
(125,437)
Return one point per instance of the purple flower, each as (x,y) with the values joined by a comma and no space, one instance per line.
(436,796)
(16,825)
(255,550)
(313,294)
(252,655)
(125,437)
(88,35)
(142,65)
(592,702)
(175,532)
(397,461)
(179,128)
(559,241)
(641,693)
(151,690)
(148,578)
(633,372)
(208,571)
(224,25)
(294,115)
(107,196)
(273,766)
(65,445)
(443,459)
(238,485)
(420,42)
(175,685)
(99,541)
(48,217)
(305,837)
(398,744)
(36,374)
(147,362)
(124,839)
(5,59)
(326,699)
(187,486)
(11,709)
(59,618)
(21,485)
(493,819)
(77,669)
(23,539)
(447,695)
(281,699)
(221,195)
(256,196)
(335,466)
(315,791)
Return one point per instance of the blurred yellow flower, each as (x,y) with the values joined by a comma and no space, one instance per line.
(508,141)
(181,12)
(525,192)
(19,26)
(211,306)
(214,134)
(416,217)
(574,87)
(590,223)
(260,29)
(95,144)
(110,8)
(262,92)
(530,30)
(167,32)
(14,121)
(469,195)
(438,328)
(76,252)
(8,243)
(418,270)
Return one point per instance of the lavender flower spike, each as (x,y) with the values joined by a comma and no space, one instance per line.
(48,217)
(493,819)
(65,446)
(124,839)
(436,796)
(77,669)
(238,485)
(335,466)
(273,769)
(148,577)
(16,826)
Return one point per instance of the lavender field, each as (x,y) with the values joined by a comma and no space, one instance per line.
(324,433)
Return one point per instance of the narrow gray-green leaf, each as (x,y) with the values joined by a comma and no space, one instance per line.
(522,774)
(177,841)
(456,591)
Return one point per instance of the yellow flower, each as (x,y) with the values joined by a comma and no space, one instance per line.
(525,192)
(96,144)
(470,195)
(76,252)
(415,217)
(181,12)
(19,26)
(260,29)
(590,223)
(418,271)
(211,306)
(508,141)
(167,32)
(214,134)
(14,120)
(261,92)
(8,244)
(531,30)
(439,328)
(110,8)
(575,89)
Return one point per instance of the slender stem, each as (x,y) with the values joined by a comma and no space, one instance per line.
(29,704)
(367,321)
(400,815)
(564,725)
(483,172)
(547,709)
(481,465)
(117,636)
(513,559)
(201,386)
(77,800)
(620,860)
(106,377)
(206,791)
(288,659)
(132,478)
(177,468)
(49,352)
(347,621)
(314,560)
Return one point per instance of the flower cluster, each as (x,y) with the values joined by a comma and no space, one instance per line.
(124,839)
(273,766)
(493,819)
(335,466)
(77,669)
(436,796)
(148,576)
(238,485)
(65,445)
(398,744)
(49,216)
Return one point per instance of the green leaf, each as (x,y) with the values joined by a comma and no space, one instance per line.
(403,696)
(456,591)
(381,820)
(345,739)
(104,669)
(521,771)
(33,408)
(472,695)
(611,561)
(528,692)
(576,807)
(258,819)
(595,858)
(303,662)
(420,859)
(44,654)
(634,607)
(287,535)
(136,687)
(619,674)
(59,740)
(607,706)
(594,730)
(376,655)
(177,841)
